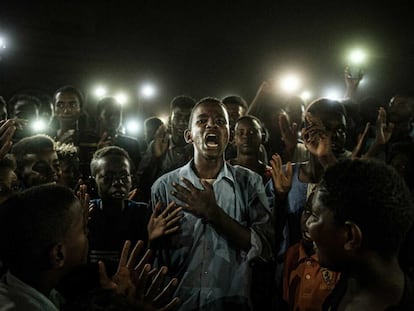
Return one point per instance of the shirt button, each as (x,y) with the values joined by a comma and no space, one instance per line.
(307,276)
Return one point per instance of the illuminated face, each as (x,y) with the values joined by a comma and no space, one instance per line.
(247,136)
(179,123)
(328,237)
(40,168)
(113,177)
(209,130)
(67,107)
(76,239)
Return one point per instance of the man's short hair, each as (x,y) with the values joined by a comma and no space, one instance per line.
(31,145)
(182,101)
(108,151)
(33,221)
(207,100)
(69,89)
(372,195)
(235,100)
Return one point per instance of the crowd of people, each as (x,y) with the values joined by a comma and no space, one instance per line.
(270,205)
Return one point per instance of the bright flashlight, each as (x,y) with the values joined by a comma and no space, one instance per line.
(133,127)
(290,83)
(357,57)
(148,90)
(100,91)
(305,95)
(2,43)
(121,98)
(39,126)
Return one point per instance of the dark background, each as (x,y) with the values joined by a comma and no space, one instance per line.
(202,48)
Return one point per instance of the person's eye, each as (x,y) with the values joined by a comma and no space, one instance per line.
(221,121)
(201,121)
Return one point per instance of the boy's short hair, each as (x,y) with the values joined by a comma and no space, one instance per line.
(373,196)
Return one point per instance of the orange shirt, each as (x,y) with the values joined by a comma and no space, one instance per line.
(305,283)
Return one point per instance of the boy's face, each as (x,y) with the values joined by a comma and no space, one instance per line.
(327,236)
(113,178)
(40,168)
(209,130)
(247,136)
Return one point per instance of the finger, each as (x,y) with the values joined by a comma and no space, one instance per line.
(141,282)
(168,209)
(174,214)
(289,171)
(144,260)
(124,254)
(189,184)
(207,186)
(134,254)
(180,188)
(172,230)
(103,277)
(156,283)
(166,293)
(172,305)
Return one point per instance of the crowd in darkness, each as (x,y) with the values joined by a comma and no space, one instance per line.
(276,204)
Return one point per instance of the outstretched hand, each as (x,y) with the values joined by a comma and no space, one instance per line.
(136,282)
(282,181)
(164,222)
(7,130)
(161,141)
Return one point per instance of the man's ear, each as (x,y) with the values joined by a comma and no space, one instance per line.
(57,256)
(354,236)
(188,136)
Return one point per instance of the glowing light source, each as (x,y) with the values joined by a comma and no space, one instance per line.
(306,95)
(3,44)
(133,127)
(39,126)
(357,57)
(121,98)
(100,91)
(148,90)
(290,83)
(333,93)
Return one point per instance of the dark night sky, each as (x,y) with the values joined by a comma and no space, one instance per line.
(202,48)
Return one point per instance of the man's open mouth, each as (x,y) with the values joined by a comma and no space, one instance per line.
(211,140)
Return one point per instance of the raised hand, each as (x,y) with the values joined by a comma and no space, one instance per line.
(282,181)
(136,282)
(361,138)
(383,130)
(83,196)
(7,130)
(165,222)
(160,144)
(199,202)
